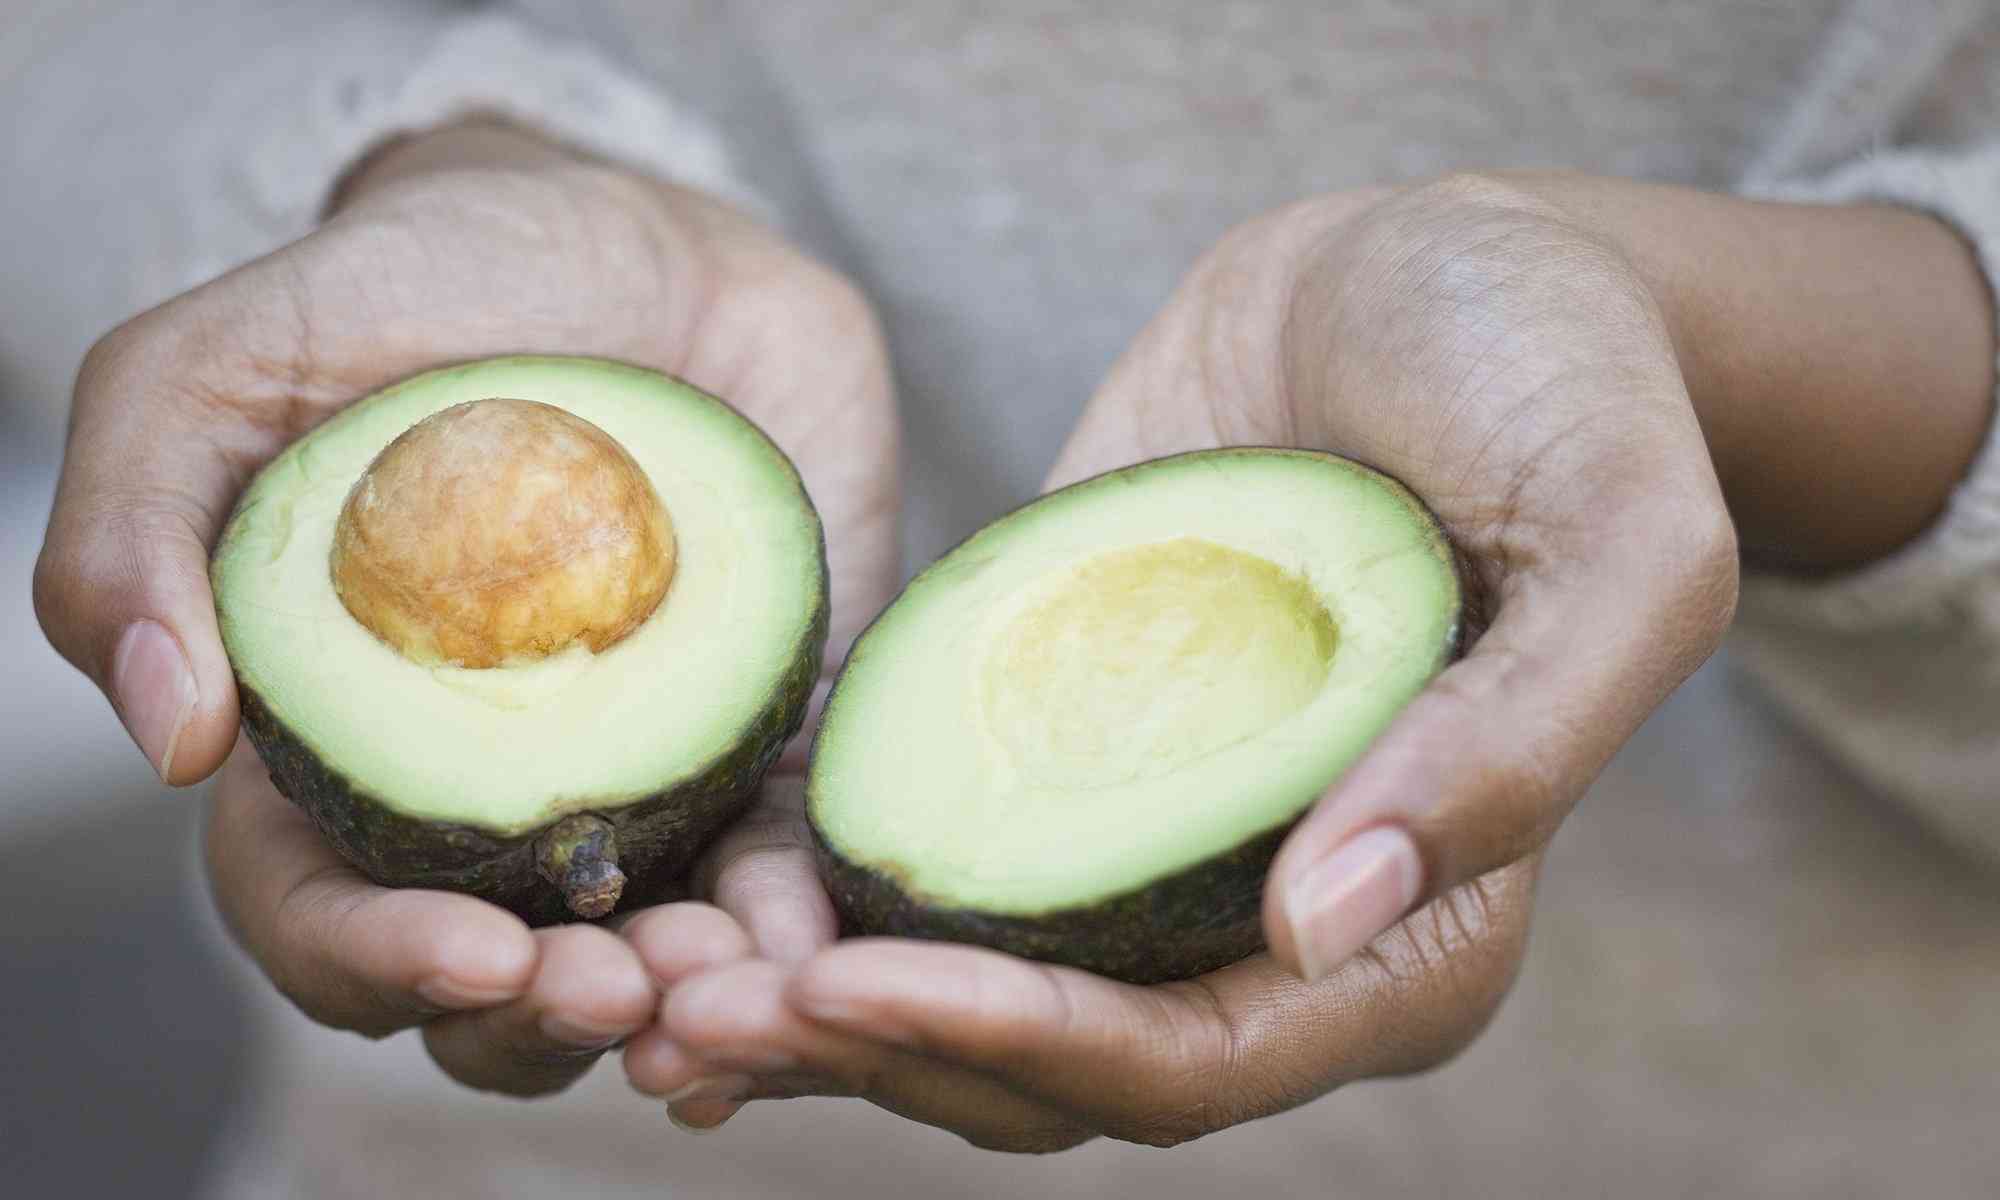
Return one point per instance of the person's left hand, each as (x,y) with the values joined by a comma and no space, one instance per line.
(1018,1055)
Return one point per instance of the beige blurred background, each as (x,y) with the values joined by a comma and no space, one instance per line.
(1748,977)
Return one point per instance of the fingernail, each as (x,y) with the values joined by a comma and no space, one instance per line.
(580,1037)
(449,993)
(1347,899)
(154,691)
(711,1087)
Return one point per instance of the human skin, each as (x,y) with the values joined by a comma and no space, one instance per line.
(475,240)
(1604,389)
(1574,372)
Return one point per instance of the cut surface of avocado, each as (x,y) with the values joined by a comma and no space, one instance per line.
(428,771)
(1123,681)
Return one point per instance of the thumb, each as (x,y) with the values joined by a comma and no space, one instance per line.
(121,587)
(1483,765)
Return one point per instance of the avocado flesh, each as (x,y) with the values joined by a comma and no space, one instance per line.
(445,776)
(1081,735)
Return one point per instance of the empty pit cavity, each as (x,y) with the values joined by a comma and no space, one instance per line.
(1139,660)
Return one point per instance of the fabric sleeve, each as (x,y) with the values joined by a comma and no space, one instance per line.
(1895,667)
(451,63)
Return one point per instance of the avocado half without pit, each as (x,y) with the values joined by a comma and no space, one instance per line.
(532,628)
(1081,735)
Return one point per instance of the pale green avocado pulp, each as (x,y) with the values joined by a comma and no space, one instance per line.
(507,749)
(1130,676)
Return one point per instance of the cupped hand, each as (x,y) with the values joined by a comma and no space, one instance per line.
(475,240)
(1506,363)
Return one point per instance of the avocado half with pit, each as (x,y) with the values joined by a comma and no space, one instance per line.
(1081,735)
(530,628)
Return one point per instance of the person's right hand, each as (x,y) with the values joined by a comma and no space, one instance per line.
(475,240)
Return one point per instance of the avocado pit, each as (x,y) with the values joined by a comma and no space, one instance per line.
(499,532)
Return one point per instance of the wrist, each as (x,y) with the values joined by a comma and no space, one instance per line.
(1840,358)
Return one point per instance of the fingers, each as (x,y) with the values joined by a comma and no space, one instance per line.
(729,1035)
(675,941)
(1162,1065)
(1485,763)
(1519,376)
(1409,1001)
(503,1008)
(762,872)
(121,587)
(172,412)
(589,993)
(351,954)
(1118,1057)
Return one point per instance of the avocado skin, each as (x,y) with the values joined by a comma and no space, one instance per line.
(1177,927)
(658,837)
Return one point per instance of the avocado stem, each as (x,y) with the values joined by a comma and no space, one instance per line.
(579,857)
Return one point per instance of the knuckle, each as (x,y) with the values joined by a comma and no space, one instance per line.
(652,931)
(105,544)
(1700,569)
(1450,969)
(373,1028)
(751,868)
(109,358)
(673,939)
(814,296)
(1522,792)
(839,298)
(113,553)
(1174,1128)
(1535,787)
(844,315)
(1028,1139)
(1505,202)
(1468,231)
(1244,240)
(141,360)
(1430,1046)
(1204,1085)
(476,1060)
(299,954)
(1713,574)
(1477,189)
(324,1001)
(55,590)
(303,991)
(1212,1098)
